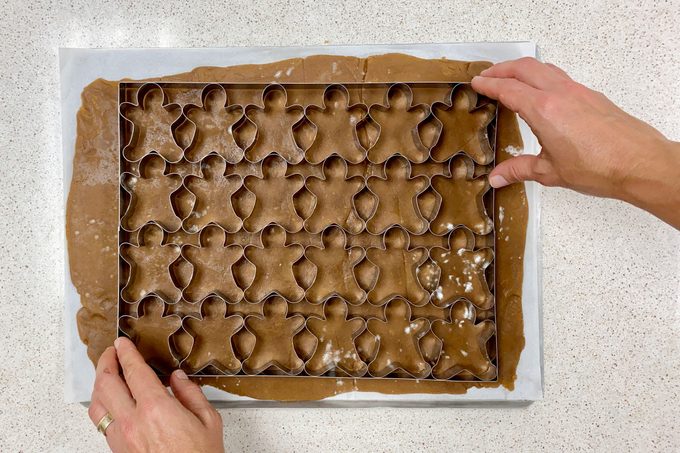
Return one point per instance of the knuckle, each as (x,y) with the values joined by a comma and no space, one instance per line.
(548,106)
(92,411)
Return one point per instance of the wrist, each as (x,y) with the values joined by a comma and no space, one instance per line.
(653,183)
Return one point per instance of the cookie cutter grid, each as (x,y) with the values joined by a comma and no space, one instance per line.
(490,128)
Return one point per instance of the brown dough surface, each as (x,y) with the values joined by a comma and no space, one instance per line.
(92,218)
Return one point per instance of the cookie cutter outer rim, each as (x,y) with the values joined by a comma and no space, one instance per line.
(492,120)
(429,377)
(486,350)
(173,126)
(187,107)
(338,87)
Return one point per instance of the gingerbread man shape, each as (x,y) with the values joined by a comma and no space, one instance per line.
(274,194)
(397,196)
(212,334)
(214,121)
(274,333)
(398,342)
(397,270)
(151,191)
(335,348)
(213,193)
(212,267)
(335,265)
(275,124)
(336,127)
(464,126)
(154,121)
(334,194)
(150,263)
(151,331)
(464,344)
(463,273)
(274,267)
(462,199)
(399,122)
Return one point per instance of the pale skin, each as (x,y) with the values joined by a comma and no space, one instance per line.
(588,145)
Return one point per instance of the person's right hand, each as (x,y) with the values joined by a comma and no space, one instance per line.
(588,143)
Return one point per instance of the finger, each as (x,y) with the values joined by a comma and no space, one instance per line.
(191,396)
(140,378)
(517,169)
(558,70)
(109,387)
(527,70)
(515,95)
(96,411)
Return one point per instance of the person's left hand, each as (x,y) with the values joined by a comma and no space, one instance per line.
(146,417)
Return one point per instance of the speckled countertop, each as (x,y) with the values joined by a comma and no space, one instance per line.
(611,272)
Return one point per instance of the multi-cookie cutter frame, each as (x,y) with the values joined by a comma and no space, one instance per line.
(303,155)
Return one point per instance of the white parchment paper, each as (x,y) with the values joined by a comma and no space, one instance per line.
(79,67)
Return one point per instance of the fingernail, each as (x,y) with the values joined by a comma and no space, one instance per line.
(116,343)
(497,181)
(475,78)
(181,375)
(484,71)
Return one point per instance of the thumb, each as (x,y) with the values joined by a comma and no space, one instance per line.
(517,169)
(190,395)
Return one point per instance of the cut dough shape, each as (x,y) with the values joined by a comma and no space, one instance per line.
(275,124)
(274,333)
(397,195)
(334,194)
(151,331)
(462,199)
(154,121)
(150,195)
(463,126)
(464,344)
(398,342)
(213,191)
(274,194)
(214,120)
(398,122)
(212,265)
(212,334)
(397,270)
(336,127)
(335,334)
(150,264)
(274,267)
(335,265)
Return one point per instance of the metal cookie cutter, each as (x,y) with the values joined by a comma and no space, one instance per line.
(336,121)
(464,344)
(269,120)
(148,136)
(214,121)
(470,121)
(403,135)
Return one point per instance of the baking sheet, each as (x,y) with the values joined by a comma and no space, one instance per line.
(79,67)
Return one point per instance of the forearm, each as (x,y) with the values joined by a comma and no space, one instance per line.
(654,185)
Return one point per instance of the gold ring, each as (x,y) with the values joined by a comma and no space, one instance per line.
(104,423)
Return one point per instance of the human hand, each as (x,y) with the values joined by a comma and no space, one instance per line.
(588,143)
(146,417)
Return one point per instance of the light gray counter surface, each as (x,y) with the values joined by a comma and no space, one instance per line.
(611,272)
